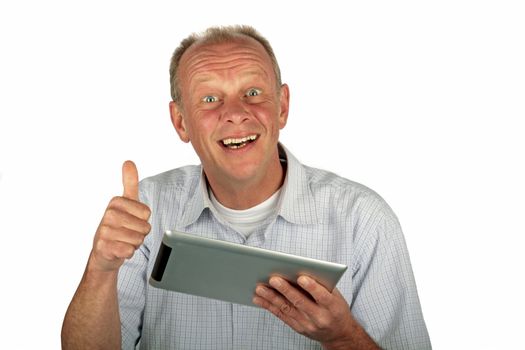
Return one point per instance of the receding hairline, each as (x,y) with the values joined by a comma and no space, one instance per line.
(219,35)
(197,46)
(203,43)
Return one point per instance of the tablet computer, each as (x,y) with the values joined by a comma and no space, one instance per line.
(228,271)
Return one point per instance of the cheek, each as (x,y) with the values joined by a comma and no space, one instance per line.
(203,124)
(266,114)
(273,123)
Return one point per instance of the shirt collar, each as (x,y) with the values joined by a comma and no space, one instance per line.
(197,202)
(296,205)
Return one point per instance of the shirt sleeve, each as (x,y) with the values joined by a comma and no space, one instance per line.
(131,287)
(385,300)
(131,296)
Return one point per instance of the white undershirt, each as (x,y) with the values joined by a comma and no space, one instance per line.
(246,221)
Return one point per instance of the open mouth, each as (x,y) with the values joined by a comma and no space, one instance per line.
(232,143)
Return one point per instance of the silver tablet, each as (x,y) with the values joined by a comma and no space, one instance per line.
(228,271)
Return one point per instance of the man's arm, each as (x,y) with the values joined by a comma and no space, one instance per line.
(384,294)
(92,320)
(321,315)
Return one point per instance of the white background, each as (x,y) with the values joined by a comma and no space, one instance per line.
(421,101)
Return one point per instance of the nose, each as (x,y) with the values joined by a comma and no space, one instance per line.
(235,112)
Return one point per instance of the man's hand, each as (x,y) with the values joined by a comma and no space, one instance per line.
(92,320)
(123,227)
(314,312)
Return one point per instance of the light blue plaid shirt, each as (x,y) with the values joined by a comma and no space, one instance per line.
(320,215)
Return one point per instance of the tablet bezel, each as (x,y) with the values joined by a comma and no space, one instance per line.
(228,271)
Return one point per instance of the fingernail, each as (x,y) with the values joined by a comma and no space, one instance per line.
(275,282)
(303,281)
(260,290)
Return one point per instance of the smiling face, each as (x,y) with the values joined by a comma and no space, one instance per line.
(232,113)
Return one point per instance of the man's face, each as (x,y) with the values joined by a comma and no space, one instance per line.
(232,109)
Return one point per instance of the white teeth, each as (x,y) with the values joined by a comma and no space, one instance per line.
(237,142)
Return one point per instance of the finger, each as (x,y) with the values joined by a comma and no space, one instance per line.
(115,250)
(118,218)
(132,207)
(275,303)
(297,298)
(320,294)
(130,180)
(290,321)
(121,234)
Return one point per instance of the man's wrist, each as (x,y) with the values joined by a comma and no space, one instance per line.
(351,344)
(337,345)
(354,338)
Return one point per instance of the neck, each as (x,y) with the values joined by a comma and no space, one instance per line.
(247,194)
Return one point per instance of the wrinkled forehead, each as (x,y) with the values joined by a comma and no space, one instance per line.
(240,54)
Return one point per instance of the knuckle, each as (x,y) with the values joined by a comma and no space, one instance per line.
(310,329)
(139,239)
(130,251)
(103,230)
(325,298)
(105,250)
(298,302)
(99,245)
(126,251)
(285,308)
(323,322)
(115,200)
(111,214)
(283,288)
(277,312)
(146,212)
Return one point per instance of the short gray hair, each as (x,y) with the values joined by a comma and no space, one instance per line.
(217,35)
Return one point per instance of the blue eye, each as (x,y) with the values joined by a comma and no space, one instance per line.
(210,99)
(253,92)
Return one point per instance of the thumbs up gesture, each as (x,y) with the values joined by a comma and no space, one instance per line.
(130,180)
(123,226)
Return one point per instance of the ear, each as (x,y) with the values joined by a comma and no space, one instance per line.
(284,104)
(178,122)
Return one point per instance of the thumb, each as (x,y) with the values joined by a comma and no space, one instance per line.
(130,180)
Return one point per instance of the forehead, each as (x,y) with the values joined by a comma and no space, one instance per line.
(204,60)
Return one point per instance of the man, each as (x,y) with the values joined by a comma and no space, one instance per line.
(229,102)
